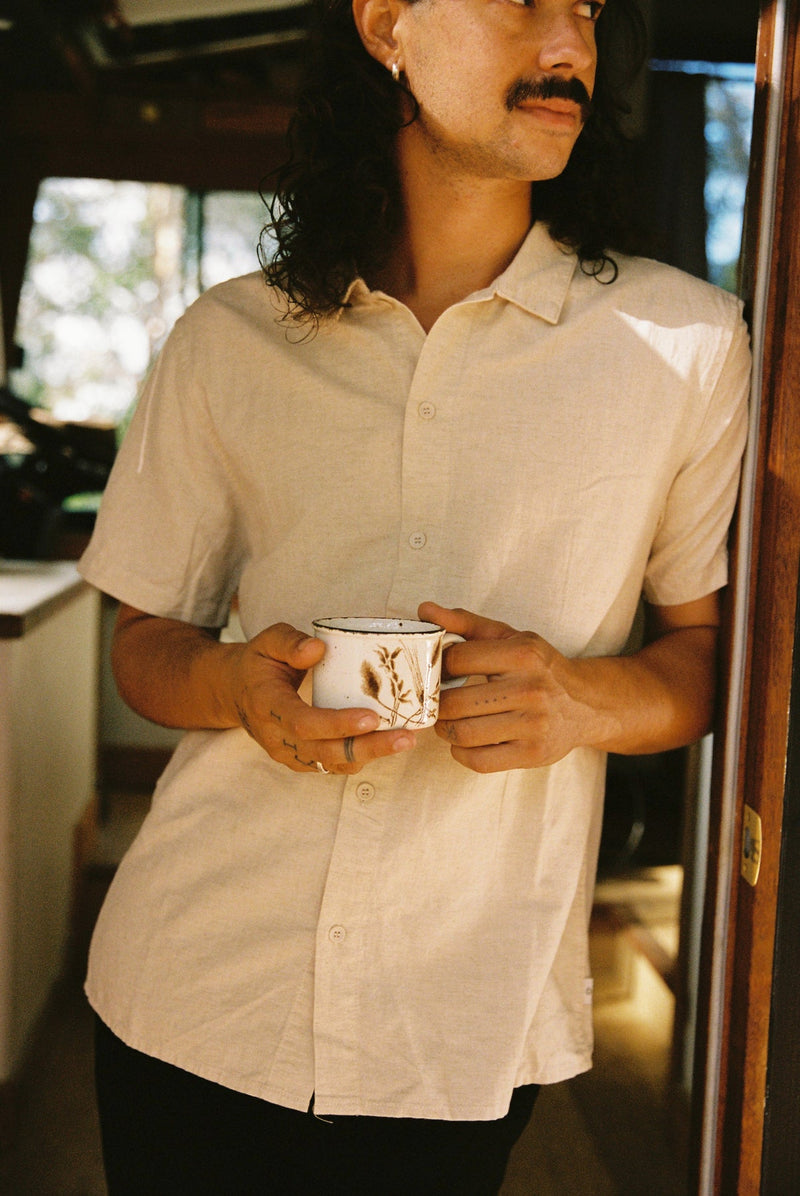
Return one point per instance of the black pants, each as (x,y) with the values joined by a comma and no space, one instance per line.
(166,1131)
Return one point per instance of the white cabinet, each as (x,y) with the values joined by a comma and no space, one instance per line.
(49,632)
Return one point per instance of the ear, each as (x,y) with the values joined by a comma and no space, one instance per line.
(375,21)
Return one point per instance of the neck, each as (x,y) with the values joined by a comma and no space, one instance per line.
(458,235)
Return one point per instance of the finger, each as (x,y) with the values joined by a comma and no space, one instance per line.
(483,697)
(464,622)
(502,757)
(491,730)
(349,755)
(275,715)
(287,644)
(496,695)
(522,659)
(316,723)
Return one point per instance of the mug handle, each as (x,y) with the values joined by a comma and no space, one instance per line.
(450,637)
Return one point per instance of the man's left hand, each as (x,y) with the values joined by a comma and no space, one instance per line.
(522,714)
(531,705)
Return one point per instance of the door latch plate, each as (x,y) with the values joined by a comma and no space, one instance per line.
(751,845)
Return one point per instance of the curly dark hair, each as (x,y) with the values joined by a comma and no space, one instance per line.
(337,204)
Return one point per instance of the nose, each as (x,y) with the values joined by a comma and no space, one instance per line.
(566,43)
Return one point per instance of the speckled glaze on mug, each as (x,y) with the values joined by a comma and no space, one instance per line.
(391,666)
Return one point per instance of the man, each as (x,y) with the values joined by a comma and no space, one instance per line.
(339,959)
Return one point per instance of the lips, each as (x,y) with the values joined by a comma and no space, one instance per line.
(561,113)
(565,106)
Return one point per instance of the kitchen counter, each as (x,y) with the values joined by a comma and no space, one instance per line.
(31,591)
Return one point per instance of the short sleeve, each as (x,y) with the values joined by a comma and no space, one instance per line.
(166,538)
(689,555)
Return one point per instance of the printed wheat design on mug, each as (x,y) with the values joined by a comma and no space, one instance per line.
(384,684)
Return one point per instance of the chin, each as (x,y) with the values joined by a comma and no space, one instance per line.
(548,167)
(543,176)
(537,168)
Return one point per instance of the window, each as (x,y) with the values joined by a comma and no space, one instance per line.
(728,91)
(111,266)
(729,119)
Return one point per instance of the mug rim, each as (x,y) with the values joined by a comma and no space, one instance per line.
(366,625)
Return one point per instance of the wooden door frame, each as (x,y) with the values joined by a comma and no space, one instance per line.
(780,1166)
(752,740)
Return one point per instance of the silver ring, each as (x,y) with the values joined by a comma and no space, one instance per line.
(322,768)
(348,750)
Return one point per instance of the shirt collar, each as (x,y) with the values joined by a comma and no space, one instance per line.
(357,292)
(537,280)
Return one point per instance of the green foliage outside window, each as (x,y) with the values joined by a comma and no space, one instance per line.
(111,266)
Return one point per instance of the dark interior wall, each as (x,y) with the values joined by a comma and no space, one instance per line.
(673,171)
(704,30)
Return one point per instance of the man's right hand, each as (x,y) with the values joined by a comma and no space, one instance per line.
(179,675)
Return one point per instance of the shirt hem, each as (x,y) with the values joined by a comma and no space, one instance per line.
(286,1098)
(337,1106)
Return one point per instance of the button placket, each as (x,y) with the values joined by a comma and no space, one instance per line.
(426,411)
(343,933)
(426,458)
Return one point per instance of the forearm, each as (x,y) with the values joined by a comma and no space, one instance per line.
(659,698)
(173,673)
(181,676)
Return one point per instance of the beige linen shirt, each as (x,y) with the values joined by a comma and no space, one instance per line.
(411,941)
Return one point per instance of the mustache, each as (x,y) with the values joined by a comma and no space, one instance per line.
(550,87)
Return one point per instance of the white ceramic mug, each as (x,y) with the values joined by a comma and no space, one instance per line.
(391,666)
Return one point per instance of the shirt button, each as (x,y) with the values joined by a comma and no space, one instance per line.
(426,410)
(337,934)
(418,539)
(365,792)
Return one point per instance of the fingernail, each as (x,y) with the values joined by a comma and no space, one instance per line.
(368,722)
(403,743)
